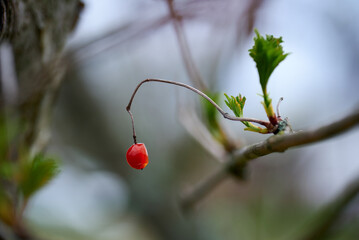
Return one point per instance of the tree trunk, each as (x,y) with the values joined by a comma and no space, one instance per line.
(36,31)
(32,35)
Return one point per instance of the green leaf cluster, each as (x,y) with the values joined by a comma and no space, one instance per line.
(212,121)
(267,53)
(36,174)
(21,175)
(236,104)
(17,168)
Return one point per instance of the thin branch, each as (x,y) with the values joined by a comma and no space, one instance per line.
(116,37)
(332,212)
(225,114)
(191,69)
(192,196)
(134,30)
(8,78)
(277,143)
(195,127)
(220,110)
(42,132)
(133,126)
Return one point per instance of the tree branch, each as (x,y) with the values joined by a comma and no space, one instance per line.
(225,114)
(191,69)
(195,127)
(278,143)
(35,33)
(330,213)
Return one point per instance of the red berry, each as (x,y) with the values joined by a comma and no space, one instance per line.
(137,156)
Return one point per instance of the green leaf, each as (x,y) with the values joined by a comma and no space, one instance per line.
(7,170)
(267,53)
(37,174)
(10,127)
(236,104)
(210,112)
(6,209)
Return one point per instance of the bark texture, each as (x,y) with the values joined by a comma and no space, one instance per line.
(37,31)
(32,34)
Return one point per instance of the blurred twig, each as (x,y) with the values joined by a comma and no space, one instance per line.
(116,37)
(191,68)
(8,79)
(191,196)
(43,122)
(141,26)
(194,126)
(273,144)
(332,212)
(128,32)
(196,78)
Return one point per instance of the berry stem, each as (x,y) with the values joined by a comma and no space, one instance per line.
(133,127)
(219,109)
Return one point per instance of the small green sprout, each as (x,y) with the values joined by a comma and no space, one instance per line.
(267,53)
(214,126)
(36,174)
(236,104)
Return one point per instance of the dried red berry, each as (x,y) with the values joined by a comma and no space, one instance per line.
(137,156)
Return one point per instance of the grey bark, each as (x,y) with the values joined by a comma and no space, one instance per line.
(36,31)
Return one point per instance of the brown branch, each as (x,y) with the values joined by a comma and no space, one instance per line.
(35,33)
(191,69)
(220,110)
(225,114)
(123,34)
(42,125)
(8,78)
(195,127)
(332,212)
(190,66)
(201,189)
(278,143)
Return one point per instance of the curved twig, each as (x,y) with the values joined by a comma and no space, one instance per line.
(224,114)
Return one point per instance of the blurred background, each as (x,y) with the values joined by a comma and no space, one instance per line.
(118,43)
